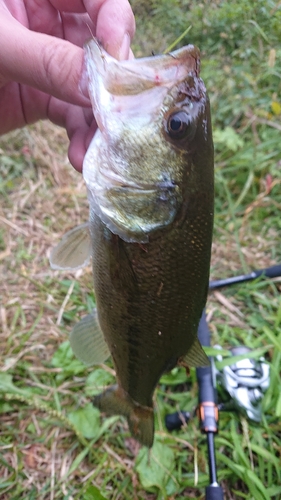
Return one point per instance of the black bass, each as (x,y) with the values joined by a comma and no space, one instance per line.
(149,176)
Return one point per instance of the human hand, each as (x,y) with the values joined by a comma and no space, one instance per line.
(41,62)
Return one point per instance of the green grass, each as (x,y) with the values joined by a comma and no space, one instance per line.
(53,443)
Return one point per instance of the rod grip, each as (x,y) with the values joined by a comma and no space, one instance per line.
(207,411)
(214,492)
(273,272)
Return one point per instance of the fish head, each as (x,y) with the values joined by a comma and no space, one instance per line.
(153,116)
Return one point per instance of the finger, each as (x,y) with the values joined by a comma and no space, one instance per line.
(80,127)
(12,116)
(45,18)
(79,144)
(77,150)
(115,26)
(80,138)
(112,21)
(55,66)
(49,64)
(80,132)
(76,6)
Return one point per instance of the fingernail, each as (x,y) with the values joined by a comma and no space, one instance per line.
(125,47)
(131,55)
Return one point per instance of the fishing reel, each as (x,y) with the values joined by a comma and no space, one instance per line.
(241,385)
(245,382)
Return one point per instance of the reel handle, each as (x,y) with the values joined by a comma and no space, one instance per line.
(175,421)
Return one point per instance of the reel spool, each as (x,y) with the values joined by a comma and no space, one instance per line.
(245,382)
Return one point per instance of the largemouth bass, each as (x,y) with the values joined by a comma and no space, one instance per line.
(149,176)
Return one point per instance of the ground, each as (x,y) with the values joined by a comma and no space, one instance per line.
(53,443)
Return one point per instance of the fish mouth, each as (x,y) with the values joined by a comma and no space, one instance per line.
(113,180)
(134,88)
(133,210)
(134,76)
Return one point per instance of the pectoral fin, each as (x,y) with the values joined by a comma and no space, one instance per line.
(195,356)
(87,341)
(74,250)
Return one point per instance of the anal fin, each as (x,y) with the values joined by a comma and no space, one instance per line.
(87,340)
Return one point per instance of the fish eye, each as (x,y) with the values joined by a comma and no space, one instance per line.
(179,125)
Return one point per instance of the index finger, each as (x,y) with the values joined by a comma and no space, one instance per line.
(113,21)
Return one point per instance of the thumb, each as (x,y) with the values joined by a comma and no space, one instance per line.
(50,64)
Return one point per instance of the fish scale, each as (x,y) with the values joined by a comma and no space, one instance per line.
(174,312)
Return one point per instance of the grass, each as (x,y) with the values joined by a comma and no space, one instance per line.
(53,443)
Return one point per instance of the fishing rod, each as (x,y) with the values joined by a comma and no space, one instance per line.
(245,382)
(207,412)
(268,272)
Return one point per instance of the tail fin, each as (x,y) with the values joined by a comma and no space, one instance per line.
(115,401)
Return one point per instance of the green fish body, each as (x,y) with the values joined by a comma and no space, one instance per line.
(149,174)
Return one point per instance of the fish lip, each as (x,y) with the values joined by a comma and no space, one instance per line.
(116,181)
(113,84)
(150,71)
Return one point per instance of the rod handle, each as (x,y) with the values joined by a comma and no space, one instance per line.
(214,492)
(207,410)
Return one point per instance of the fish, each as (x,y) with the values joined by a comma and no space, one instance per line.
(149,173)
